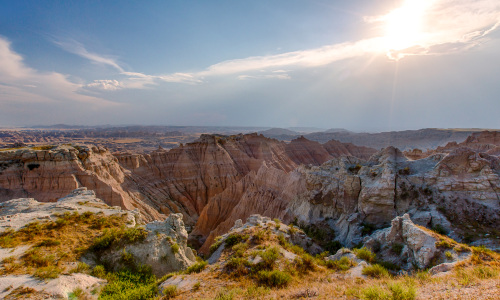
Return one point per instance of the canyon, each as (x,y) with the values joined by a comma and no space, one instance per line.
(219,179)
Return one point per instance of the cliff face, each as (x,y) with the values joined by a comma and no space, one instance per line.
(196,178)
(451,190)
(50,174)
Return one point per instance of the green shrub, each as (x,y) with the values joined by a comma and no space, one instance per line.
(403,291)
(375,271)
(118,236)
(175,248)
(397,248)
(389,265)
(367,228)
(99,271)
(127,258)
(49,272)
(448,255)
(239,249)
(375,292)
(260,236)
(332,246)
(226,294)
(215,246)
(274,278)
(48,243)
(342,264)
(444,244)
(81,267)
(304,263)
(365,254)
(197,267)
(169,292)
(35,258)
(269,257)
(235,238)
(140,284)
(238,266)
(438,228)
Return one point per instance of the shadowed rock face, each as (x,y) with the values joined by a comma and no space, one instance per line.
(450,190)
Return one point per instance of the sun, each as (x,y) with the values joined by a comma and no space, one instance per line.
(403,26)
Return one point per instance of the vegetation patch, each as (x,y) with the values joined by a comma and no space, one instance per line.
(274,278)
(342,264)
(375,271)
(365,254)
(197,267)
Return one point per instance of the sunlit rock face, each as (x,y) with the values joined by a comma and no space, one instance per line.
(53,172)
(182,180)
(188,178)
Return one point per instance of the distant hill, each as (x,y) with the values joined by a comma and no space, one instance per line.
(278,131)
(334,130)
(428,138)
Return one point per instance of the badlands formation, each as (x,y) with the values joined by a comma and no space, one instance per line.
(417,210)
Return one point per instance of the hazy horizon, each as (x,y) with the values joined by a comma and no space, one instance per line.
(358,65)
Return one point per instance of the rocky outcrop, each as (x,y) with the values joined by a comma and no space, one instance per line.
(50,173)
(409,246)
(451,191)
(16,213)
(254,223)
(164,248)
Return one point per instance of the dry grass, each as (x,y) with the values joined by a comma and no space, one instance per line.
(55,243)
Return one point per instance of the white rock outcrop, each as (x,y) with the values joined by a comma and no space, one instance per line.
(164,249)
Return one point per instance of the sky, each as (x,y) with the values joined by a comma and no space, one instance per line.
(361,65)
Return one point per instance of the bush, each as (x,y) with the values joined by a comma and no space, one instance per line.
(274,278)
(80,268)
(260,236)
(99,271)
(375,292)
(239,249)
(375,271)
(36,259)
(197,267)
(438,228)
(397,248)
(49,272)
(235,238)
(238,266)
(403,292)
(215,245)
(269,258)
(117,236)
(365,254)
(175,248)
(367,228)
(48,243)
(130,285)
(304,263)
(169,292)
(342,264)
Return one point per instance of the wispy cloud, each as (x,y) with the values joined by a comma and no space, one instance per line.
(20,83)
(77,48)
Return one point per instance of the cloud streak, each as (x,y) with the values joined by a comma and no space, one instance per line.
(77,48)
